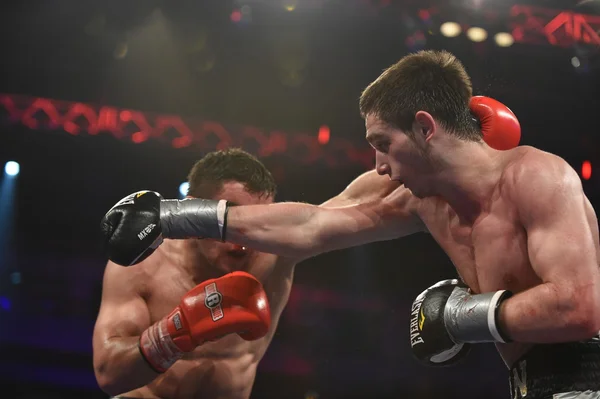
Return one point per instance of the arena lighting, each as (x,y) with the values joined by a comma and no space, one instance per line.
(77,119)
(15,278)
(450,29)
(575,62)
(477,34)
(586,170)
(504,39)
(5,303)
(324,134)
(290,5)
(236,16)
(183,189)
(12,168)
(537,25)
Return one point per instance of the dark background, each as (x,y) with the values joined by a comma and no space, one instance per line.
(345,332)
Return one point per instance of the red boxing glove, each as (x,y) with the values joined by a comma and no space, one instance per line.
(500,127)
(234,303)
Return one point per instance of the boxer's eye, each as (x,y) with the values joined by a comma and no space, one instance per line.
(382,147)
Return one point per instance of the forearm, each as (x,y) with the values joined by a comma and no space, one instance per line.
(281,229)
(542,314)
(121,367)
(286,229)
(301,231)
(294,230)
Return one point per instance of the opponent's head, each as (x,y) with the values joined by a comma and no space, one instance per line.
(413,110)
(240,178)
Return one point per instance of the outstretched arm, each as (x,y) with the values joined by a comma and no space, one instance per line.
(301,231)
(135,226)
(562,239)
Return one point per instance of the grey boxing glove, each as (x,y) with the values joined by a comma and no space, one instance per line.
(429,340)
(446,317)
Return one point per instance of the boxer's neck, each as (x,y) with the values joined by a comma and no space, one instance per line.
(468,177)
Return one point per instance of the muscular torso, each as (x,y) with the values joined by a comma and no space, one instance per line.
(490,253)
(222,369)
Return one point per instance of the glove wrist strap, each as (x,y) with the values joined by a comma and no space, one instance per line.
(474,318)
(194,218)
(157,347)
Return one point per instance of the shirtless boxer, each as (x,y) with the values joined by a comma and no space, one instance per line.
(516,224)
(138,302)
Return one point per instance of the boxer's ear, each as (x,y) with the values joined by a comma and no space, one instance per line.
(425,124)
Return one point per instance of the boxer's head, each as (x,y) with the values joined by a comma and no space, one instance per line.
(413,112)
(240,178)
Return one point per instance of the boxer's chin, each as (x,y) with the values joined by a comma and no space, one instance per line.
(232,263)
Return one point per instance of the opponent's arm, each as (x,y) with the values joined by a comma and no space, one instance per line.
(561,241)
(127,355)
(123,316)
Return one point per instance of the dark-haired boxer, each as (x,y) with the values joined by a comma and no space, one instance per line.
(194,318)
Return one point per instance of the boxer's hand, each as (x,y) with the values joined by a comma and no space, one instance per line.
(500,127)
(234,303)
(430,342)
(132,229)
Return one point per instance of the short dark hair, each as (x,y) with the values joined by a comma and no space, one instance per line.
(207,175)
(431,81)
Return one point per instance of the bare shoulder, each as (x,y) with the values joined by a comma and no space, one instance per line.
(540,184)
(131,280)
(532,171)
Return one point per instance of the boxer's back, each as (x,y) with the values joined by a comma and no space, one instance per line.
(222,369)
(490,253)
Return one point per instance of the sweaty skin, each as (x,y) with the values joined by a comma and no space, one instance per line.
(135,297)
(530,230)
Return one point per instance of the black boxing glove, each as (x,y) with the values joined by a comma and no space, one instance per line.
(446,318)
(132,229)
(137,224)
(430,342)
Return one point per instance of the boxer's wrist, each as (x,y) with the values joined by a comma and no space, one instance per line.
(157,347)
(475,318)
(194,218)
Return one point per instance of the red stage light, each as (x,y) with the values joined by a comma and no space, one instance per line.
(586,170)
(236,16)
(323,136)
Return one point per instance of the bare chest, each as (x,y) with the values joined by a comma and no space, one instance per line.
(170,283)
(165,293)
(489,254)
(221,369)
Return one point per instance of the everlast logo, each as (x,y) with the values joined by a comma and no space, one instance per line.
(145,231)
(415,323)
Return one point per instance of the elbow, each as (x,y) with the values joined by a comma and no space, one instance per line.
(107,381)
(584,323)
(584,315)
